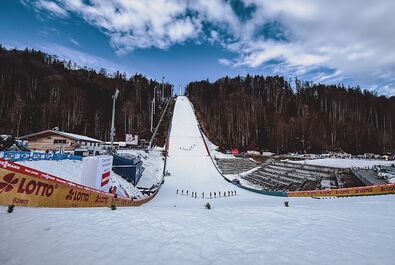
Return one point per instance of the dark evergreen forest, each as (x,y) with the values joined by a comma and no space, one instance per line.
(38,92)
(266,113)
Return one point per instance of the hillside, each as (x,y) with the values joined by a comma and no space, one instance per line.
(39,91)
(259,113)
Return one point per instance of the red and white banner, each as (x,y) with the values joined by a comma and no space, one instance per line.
(96,172)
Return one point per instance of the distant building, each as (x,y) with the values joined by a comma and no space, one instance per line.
(56,140)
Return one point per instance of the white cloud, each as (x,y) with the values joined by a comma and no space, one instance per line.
(181,30)
(53,7)
(355,38)
(224,61)
(81,58)
(76,43)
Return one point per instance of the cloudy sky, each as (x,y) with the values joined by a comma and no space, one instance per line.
(327,41)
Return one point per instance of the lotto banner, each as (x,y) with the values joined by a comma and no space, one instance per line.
(358,191)
(23,186)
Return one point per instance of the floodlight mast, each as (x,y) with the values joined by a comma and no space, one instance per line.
(112,134)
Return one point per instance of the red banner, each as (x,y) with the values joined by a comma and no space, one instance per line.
(25,186)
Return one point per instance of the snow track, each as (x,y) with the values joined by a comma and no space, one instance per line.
(191,167)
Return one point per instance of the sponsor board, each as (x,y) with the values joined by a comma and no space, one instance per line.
(131,139)
(23,186)
(96,171)
(357,191)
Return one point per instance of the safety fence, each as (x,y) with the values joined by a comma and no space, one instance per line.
(22,156)
(357,191)
(24,186)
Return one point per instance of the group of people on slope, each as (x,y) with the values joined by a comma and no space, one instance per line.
(211,194)
(188,148)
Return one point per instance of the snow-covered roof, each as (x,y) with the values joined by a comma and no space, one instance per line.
(66,134)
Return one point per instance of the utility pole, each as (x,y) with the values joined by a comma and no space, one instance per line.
(163,87)
(154,99)
(152,114)
(114,97)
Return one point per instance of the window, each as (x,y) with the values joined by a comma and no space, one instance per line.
(59,141)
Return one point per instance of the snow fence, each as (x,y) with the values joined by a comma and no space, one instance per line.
(24,186)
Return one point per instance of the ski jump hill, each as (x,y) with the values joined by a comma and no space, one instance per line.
(191,168)
(193,175)
(246,228)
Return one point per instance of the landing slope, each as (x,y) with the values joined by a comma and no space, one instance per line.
(191,167)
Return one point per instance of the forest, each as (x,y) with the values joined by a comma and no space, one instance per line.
(39,91)
(270,113)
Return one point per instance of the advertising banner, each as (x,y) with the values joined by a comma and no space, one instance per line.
(23,186)
(357,191)
(132,139)
(22,156)
(96,172)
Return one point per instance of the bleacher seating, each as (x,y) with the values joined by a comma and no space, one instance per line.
(285,176)
(235,165)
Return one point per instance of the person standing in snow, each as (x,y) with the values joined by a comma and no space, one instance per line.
(210,195)
(187,192)
(202,194)
(177,191)
(182,192)
(224,193)
(215,194)
(114,191)
(235,192)
(219,194)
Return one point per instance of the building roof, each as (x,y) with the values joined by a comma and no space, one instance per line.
(74,136)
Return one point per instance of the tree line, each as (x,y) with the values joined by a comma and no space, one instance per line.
(39,91)
(267,113)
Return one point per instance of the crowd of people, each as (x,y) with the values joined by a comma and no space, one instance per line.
(188,148)
(209,195)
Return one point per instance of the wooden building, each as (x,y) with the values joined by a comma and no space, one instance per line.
(56,140)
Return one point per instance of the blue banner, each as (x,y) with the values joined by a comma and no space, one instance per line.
(22,156)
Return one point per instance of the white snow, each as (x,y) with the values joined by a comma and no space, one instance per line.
(343,162)
(244,173)
(71,170)
(153,162)
(176,229)
(78,136)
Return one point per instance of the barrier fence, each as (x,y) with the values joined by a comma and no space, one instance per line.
(357,191)
(24,186)
(22,156)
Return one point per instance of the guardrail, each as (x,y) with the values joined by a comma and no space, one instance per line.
(22,156)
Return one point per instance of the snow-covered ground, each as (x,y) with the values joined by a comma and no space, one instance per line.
(176,229)
(71,170)
(153,162)
(66,169)
(344,163)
